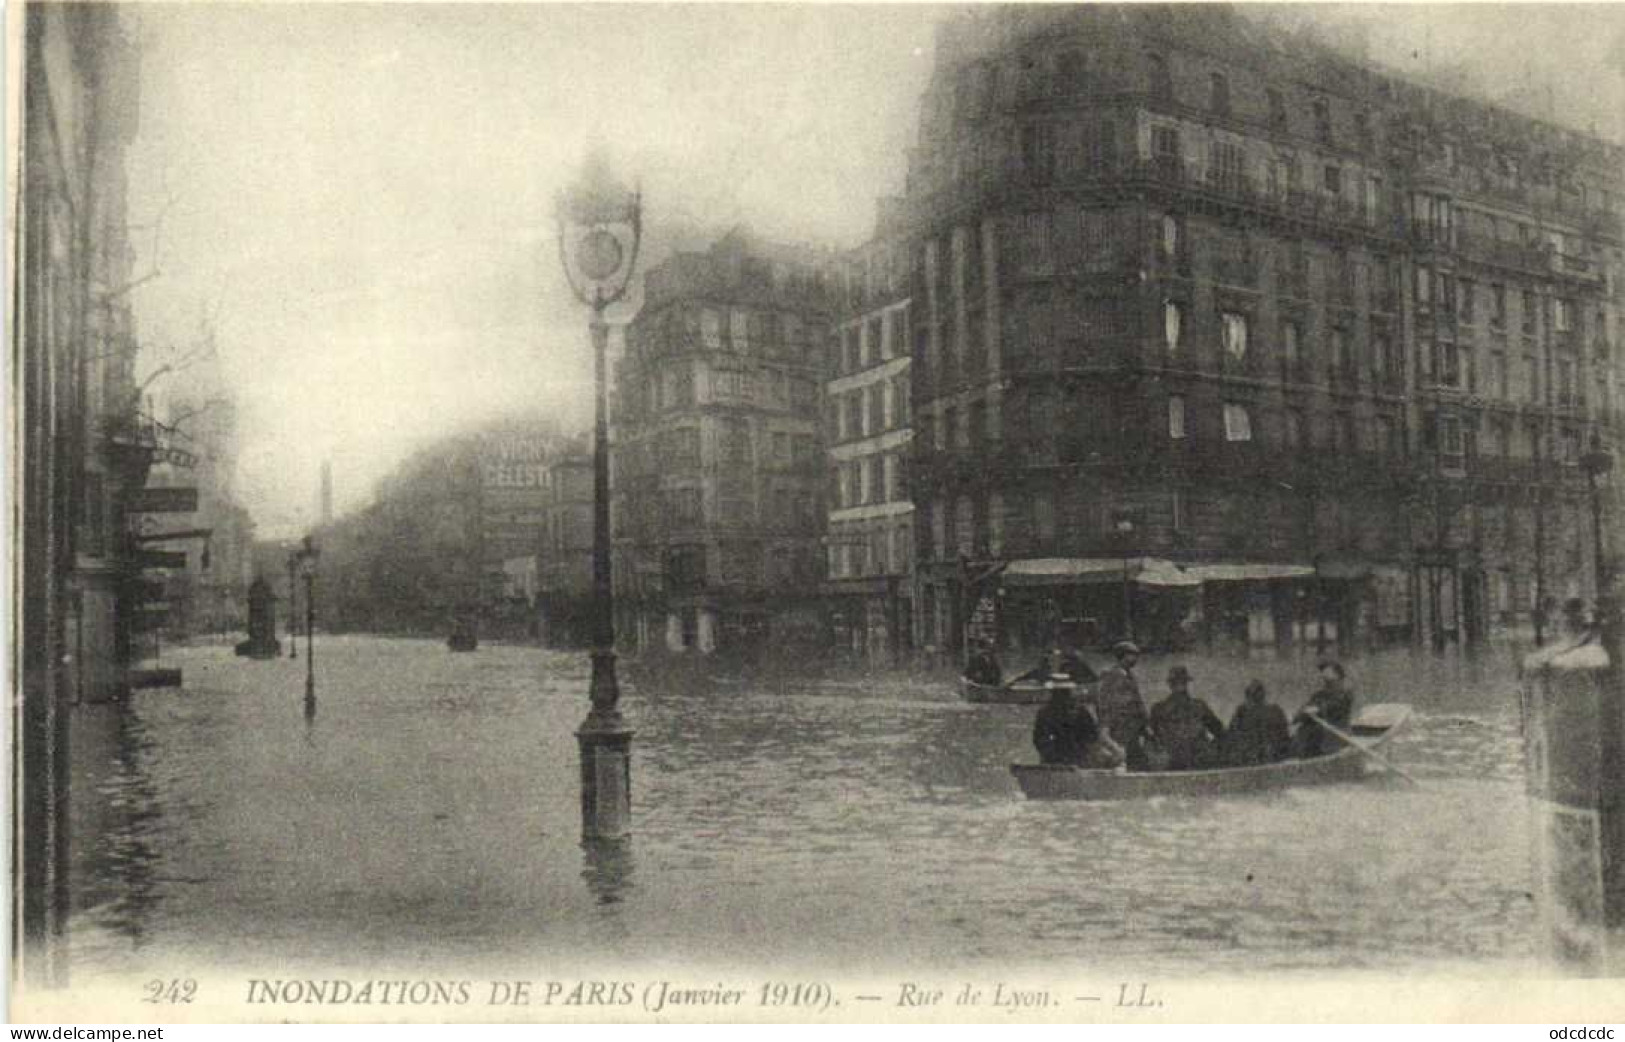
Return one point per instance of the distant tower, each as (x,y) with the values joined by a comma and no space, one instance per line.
(327,493)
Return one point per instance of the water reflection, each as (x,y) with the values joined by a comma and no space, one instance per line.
(607,867)
(436,810)
(116,821)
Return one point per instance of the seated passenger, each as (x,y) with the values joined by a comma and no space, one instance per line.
(1066,732)
(1184,730)
(1333,703)
(1258,733)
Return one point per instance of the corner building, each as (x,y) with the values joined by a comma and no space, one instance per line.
(718,465)
(1220,338)
(870,540)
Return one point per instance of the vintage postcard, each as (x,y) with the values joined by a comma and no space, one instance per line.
(554,512)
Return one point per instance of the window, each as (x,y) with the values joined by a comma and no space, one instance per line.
(1334,179)
(1387,436)
(1498,304)
(1464,302)
(1176,417)
(1340,352)
(1498,375)
(1290,351)
(1044,518)
(1451,442)
(1070,72)
(1038,153)
(1161,84)
(1296,429)
(739,329)
(1235,333)
(876,472)
(1424,287)
(1323,121)
(1229,166)
(1165,143)
(1172,321)
(1362,130)
(1277,107)
(711,329)
(1562,312)
(1219,94)
(1170,236)
(1531,366)
(1238,423)
(1030,245)
(1531,307)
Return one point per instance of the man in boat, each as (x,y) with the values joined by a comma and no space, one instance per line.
(1258,733)
(1185,731)
(1122,710)
(1334,704)
(1066,732)
(983,667)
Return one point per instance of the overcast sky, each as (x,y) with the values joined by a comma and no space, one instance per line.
(361,195)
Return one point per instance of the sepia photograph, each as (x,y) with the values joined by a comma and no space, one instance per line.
(815,513)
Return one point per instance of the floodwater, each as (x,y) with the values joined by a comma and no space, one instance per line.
(428,816)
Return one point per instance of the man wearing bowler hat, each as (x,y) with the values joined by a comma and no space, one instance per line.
(1122,710)
(1185,731)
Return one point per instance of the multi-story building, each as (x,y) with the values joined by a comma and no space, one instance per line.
(564,565)
(1219,335)
(870,536)
(82,448)
(717,463)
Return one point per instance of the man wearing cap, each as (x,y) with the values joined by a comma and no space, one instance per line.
(1333,703)
(1184,730)
(1122,710)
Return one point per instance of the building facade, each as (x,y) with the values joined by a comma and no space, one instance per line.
(82,445)
(869,541)
(1219,337)
(717,464)
(564,565)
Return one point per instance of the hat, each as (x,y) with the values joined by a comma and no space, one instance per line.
(1125,647)
(1254,685)
(1333,665)
(1178,673)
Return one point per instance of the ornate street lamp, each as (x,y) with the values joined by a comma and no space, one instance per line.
(600,229)
(305,558)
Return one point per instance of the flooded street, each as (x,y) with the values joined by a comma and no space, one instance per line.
(429,817)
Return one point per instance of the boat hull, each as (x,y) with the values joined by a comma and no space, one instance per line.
(1022,693)
(1059,782)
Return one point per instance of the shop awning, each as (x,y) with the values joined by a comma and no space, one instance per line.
(1064,571)
(1248,572)
(1157,572)
(1067,571)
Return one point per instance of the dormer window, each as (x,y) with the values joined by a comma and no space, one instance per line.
(1219,94)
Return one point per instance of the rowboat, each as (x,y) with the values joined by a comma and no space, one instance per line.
(1020,693)
(1374,726)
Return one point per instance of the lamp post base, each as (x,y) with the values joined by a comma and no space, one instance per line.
(606,778)
(606,756)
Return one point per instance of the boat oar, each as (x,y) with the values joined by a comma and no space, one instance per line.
(1352,742)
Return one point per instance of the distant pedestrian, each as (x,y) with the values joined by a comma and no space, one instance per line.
(1258,732)
(984,667)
